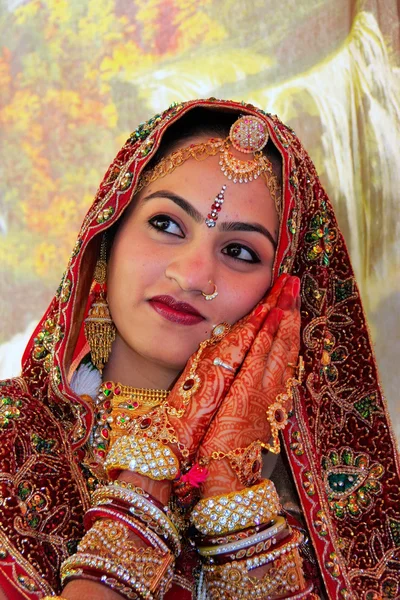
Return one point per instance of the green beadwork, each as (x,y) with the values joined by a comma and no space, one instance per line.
(125,181)
(41,445)
(105,214)
(77,247)
(27,583)
(144,129)
(350,482)
(23,491)
(367,406)
(320,237)
(56,375)
(66,290)
(9,410)
(147,147)
(394,526)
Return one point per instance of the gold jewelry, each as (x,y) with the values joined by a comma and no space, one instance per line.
(213,294)
(53,598)
(242,547)
(155,573)
(249,134)
(300,369)
(284,577)
(277,414)
(245,462)
(193,381)
(155,425)
(141,508)
(237,510)
(116,406)
(110,539)
(147,457)
(99,327)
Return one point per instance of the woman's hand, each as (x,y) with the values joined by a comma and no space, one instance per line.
(242,348)
(237,348)
(241,418)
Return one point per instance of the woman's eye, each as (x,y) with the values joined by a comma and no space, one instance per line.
(165,224)
(240,252)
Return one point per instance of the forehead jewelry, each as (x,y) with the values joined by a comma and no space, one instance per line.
(213,294)
(249,135)
(212,216)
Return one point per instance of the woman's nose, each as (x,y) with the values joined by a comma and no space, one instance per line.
(192,270)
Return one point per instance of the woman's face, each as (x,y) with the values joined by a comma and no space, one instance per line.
(164,254)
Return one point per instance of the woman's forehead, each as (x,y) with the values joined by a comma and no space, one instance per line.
(200,183)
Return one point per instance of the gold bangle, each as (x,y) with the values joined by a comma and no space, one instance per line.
(277,526)
(109,539)
(143,509)
(145,456)
(284,576)
(254,505)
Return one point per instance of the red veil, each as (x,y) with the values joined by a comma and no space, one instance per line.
(339,442)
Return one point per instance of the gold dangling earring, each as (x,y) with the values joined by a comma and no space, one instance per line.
(99,327)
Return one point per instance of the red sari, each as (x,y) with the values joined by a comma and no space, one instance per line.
(339,441)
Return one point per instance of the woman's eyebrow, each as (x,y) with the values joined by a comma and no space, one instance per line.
(199,218)
(184,204)
(239,226)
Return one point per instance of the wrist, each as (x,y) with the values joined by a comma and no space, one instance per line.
(161,490)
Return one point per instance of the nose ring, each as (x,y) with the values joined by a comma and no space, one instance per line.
(213,294)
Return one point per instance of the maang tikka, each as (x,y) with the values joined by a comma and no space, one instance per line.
(248,135)
(99,327)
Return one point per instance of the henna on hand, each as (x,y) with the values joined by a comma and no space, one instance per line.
(241,418)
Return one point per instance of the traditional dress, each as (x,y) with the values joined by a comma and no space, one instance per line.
(339,442)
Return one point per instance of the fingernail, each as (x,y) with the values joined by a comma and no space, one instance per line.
(295,286)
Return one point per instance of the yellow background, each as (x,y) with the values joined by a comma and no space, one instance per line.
(76,76)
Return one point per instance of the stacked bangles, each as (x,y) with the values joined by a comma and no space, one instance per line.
(108,554)
(240,531)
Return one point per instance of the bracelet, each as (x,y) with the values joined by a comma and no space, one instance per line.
(278,527)
(144,533)
(285,542)
(245,462)
(176,519)
(140,507)
(220,540)
(141,455)
(109,539)
(233,580)
(78,564)
(277,414)
(230,512)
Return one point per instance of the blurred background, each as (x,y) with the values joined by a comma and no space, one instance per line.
(77,76)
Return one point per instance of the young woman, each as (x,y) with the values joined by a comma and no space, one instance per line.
(209,304)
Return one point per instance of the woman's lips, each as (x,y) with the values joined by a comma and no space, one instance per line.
(177,312)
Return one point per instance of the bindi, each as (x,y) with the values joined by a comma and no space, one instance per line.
(212,216)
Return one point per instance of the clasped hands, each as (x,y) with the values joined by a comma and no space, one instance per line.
(228,411)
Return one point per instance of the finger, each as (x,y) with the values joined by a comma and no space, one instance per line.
(284,350)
